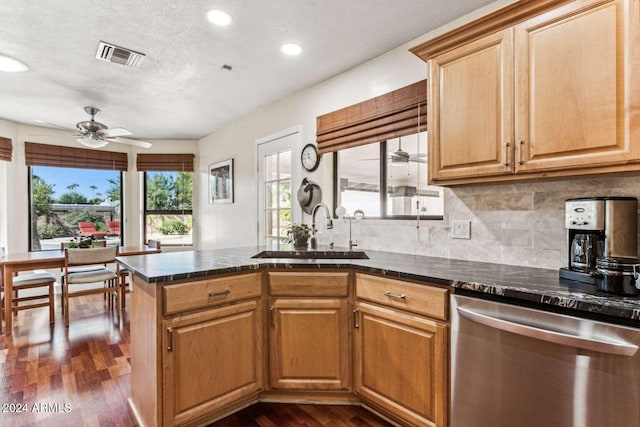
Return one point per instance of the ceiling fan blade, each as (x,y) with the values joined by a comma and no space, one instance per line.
(113,132)
(54,125)
(414,157)
(135,142)
(418,160)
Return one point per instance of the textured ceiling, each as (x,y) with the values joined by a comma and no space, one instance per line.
(180,90)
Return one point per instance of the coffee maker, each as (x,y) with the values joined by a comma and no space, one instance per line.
(599,228)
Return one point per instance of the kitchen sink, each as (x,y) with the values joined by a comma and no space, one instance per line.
(312,254)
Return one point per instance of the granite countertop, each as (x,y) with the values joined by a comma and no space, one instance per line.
(532,285)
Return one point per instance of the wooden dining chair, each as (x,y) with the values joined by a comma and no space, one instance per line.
(26,281)
(95,257)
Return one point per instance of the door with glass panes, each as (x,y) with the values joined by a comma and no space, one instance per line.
(275,189)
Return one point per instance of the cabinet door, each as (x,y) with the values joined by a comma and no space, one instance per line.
(401,364)
(471,109)
(577,95)
(211,360)
(309,344)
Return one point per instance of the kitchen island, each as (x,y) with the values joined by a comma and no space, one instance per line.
(520,284)
(213,331)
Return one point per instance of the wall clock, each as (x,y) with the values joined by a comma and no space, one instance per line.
(310,157)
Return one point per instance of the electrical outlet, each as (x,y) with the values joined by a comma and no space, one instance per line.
(461,229)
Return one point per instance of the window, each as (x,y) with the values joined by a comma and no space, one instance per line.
(393,188)
(168,214)
(276,178)
(61,197)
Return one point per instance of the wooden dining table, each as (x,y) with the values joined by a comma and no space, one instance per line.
(11,264)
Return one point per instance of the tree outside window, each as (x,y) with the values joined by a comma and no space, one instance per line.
(169,207)
(61,197)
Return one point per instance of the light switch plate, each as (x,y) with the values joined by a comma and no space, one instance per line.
(460,229)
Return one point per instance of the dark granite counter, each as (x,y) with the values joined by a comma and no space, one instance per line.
(532,285)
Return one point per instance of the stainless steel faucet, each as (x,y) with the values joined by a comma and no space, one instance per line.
(351,242)
(314,242)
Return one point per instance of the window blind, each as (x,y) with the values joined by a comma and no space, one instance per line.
(60,156)
(6,149)
(165,162)
(384,117)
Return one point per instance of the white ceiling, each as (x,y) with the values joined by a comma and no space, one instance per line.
(180,90)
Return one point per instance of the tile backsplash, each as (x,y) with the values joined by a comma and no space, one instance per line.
(514,223)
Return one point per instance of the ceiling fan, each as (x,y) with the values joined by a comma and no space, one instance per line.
(94,134)
(401,157)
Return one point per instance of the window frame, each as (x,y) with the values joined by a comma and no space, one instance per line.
(30,205)
(146,212)
(383,189)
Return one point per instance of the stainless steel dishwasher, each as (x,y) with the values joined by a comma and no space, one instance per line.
(519,367)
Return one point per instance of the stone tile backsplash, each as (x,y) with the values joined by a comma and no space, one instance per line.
(512,223)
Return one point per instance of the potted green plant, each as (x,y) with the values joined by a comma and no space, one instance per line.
(80,242)
(299,235)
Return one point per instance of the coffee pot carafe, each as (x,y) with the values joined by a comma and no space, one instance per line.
(585,249)
(598,228)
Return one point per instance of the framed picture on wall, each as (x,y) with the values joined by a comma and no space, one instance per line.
(221,182)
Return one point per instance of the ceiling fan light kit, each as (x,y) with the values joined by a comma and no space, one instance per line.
(92,143)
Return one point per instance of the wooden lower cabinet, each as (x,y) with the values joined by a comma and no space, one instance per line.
(199,349)
(309,344)
(211,360)
(401,364)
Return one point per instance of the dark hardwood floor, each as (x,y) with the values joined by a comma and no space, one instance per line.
(79,376)
(287,415)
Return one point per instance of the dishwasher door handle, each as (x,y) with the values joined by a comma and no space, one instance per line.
(602,346)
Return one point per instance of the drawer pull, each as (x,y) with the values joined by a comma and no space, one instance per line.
(219,294)
(396,296)
(273,315)
(356,324)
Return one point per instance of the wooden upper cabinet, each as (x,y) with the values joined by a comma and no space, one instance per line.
(574,89)
(550,91)
(471,109)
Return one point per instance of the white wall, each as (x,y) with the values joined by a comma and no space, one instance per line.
(235,224)
(14,196)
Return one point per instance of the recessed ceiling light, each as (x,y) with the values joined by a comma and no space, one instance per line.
(291,49)
(219,17)
(12,65)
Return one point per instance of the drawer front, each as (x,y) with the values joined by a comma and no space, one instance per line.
(423,299)
(309,284)
(205,293)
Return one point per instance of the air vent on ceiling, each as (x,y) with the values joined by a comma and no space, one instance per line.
(112,53)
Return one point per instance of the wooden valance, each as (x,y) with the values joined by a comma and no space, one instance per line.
(6,149)
(165,162)
(72,157)
(384,117)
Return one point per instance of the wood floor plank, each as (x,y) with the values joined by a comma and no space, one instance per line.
(80,376)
